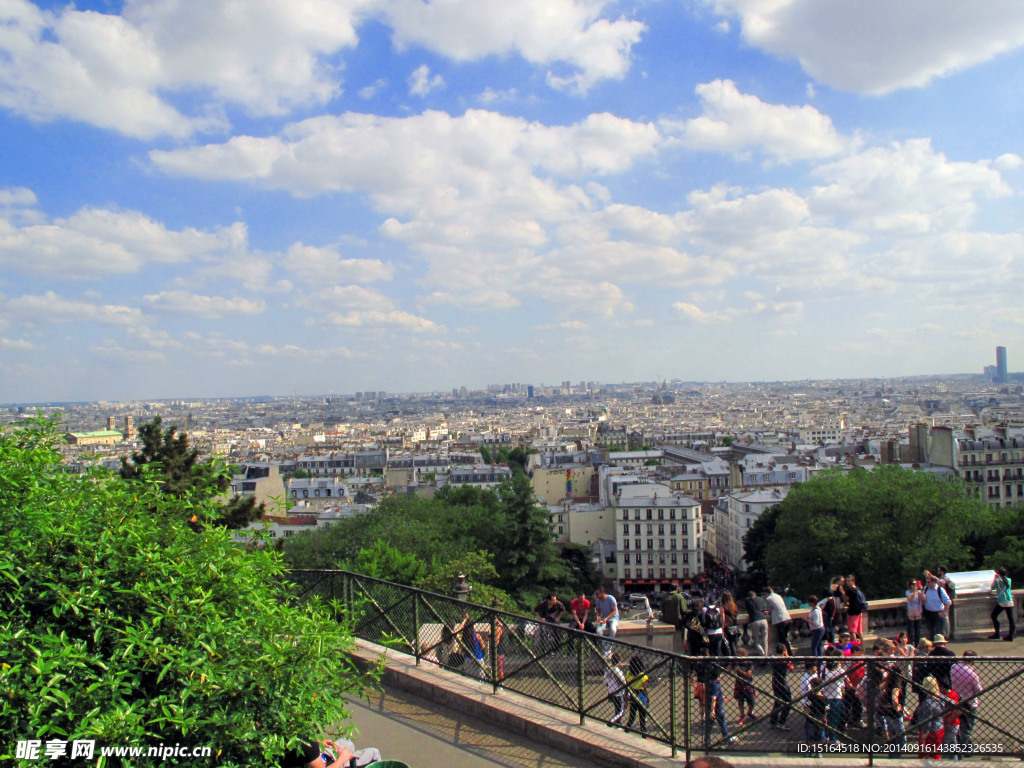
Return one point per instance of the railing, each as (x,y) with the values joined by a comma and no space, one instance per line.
(664,696)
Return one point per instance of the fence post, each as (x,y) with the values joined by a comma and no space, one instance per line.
(416,626)
(672,707)
(493,647)
(581,666)
(686,704)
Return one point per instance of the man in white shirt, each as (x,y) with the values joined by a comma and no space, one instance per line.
(779,618)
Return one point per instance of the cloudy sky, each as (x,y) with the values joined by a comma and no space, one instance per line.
(236,197)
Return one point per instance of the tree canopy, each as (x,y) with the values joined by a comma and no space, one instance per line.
(885,526)
(167,459)
(500,538)
(121,625)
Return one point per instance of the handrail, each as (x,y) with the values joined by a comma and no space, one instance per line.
(660,698)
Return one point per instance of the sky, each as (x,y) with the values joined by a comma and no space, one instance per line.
(216,198)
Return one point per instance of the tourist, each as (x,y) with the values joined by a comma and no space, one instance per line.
(891,709)
(580,607)
(637,681)
(814,705)
(968,688)
(858,606)
(673,611)
(781,691)
(743,690)
(936,603)
(607,609)
(730,621)
(550,611)
(833,678)
(713,628)
(615,681)
(830,608)
(757,623)
(333,754)
(1001,585)
(941,661)
(928,718)
(779,617)
(816,623)
(915,605)
(696,638)
(472,645)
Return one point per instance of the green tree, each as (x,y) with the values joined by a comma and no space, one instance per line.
(485,454)
(884,525)
(583,575)
(167,459)
(120,625)
(383,561)
(527,558)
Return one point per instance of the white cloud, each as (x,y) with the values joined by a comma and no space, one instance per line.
(878,46)
(906,188)
(17,345)
(12,196)
(93,243)
(421,83)
(369,91)
(52,309)
(121,72)
(736,122)
(569,35)
(325,265)
(395,319)
(195,305)
(698,315)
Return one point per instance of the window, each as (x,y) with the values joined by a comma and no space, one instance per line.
(661,558)
(671,514)
(672,529)
(625,514)
(673,558)
(661,514)
(636,529)
(636,515)
(671,543)
(650,543)
(650,573)
(661,543)
(650,558)
(661,573)
(625,530)
(636,543)
(661,529)
(625,558)
(686,530)
(649,515)
(650,529)
(626,573)
(686,557)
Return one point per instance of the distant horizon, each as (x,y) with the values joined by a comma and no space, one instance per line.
(483,389)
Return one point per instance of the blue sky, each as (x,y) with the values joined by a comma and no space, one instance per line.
(236,197)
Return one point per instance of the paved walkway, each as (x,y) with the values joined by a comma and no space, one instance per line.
(425,734)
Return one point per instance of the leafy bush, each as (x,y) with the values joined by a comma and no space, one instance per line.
(120,624)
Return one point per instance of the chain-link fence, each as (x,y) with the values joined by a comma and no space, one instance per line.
(875,706)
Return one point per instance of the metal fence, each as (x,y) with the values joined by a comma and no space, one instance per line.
(689,703)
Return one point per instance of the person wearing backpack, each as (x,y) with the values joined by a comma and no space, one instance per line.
(696,639)
(858,607)
(936,603)
(714,628)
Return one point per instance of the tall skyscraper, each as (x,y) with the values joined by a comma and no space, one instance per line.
(1000,365)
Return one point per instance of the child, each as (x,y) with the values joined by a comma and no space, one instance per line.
(743,689)
(814,703)
(616,683)
(928,717)
(780,689)
(637,680)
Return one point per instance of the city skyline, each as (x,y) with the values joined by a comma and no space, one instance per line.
(230,201)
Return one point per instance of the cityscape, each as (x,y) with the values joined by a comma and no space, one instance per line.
(701,460)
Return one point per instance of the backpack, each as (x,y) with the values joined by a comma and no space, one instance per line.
(858,602)
(713,618)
